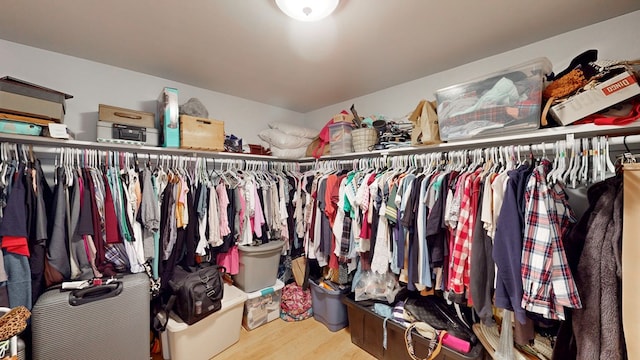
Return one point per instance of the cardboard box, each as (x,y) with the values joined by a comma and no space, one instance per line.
(21,87)
(124,116)
(201,133)
(608,93)
(168,118)
(31,106)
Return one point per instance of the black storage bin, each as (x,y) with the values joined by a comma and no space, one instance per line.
(367,332)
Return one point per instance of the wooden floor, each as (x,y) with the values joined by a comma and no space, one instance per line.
(305,340)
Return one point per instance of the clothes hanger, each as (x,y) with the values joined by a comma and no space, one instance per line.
(584,169)
(610,167)
(571,153)
(594,161)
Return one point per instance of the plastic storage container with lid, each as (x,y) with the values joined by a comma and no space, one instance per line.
(508,101)
(193,342)
(262,306)
(340,138)
(258,266)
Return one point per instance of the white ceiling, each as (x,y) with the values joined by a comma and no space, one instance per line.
(249,49)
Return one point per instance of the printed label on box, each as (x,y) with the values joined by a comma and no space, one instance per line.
(613,91)
(626,82)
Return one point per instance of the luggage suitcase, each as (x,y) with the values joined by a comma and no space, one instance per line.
(106,322)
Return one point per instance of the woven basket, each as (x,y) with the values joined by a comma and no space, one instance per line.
(364,139)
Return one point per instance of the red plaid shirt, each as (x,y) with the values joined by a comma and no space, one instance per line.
(547,281)
(459,275)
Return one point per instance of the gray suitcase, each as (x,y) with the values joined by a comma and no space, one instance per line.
(110,322)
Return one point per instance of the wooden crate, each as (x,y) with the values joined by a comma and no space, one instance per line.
(201,133)
(126,116)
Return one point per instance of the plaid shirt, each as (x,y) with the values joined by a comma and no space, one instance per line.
(497,114)
(459,274)
(546,278)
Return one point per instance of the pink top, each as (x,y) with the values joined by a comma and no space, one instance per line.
(230,260)
(223,202)
(258,217)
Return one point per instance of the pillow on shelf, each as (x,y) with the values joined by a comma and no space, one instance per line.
(282,140)
(295,130)
(288,153)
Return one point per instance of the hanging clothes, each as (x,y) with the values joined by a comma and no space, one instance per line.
(595,331)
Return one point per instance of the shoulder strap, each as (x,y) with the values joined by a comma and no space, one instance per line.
(160,322)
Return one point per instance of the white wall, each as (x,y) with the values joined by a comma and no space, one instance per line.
(615,39)
(92,83)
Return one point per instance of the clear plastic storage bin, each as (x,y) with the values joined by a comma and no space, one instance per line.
(262,306)
(340,138)
(507,101)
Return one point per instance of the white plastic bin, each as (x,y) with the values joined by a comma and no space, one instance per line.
(258,266)
(262,306)
(209,336)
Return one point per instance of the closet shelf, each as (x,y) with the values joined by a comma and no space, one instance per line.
(533,137)
(139,149)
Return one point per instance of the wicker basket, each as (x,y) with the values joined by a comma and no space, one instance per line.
(364,139)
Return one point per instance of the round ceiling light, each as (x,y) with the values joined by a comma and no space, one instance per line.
(307,10)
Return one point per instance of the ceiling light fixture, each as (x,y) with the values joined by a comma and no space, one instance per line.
(307,10)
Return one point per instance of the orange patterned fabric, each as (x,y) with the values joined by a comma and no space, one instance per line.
(565,85)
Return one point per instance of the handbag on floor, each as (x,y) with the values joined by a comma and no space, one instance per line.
(434,311)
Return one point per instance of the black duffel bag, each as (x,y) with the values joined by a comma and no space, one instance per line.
(197,292)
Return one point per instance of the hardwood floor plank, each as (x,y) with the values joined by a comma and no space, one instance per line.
(307,339)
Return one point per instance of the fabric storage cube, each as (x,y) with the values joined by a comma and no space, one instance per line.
(262,306)
(508,101)
(340,138)
(258,266)
(328,307)
(209,336)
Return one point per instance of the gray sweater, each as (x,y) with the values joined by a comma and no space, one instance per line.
(597,327)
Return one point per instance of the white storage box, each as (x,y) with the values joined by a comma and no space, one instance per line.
(608,93)
(505,101)
(258,266)
(209,336)
(262,306)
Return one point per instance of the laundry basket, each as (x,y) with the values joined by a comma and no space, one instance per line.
(363,139)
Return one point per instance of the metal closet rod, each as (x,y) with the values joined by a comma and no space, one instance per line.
(616,141)
(82,155)
(228,158)
(52,147)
